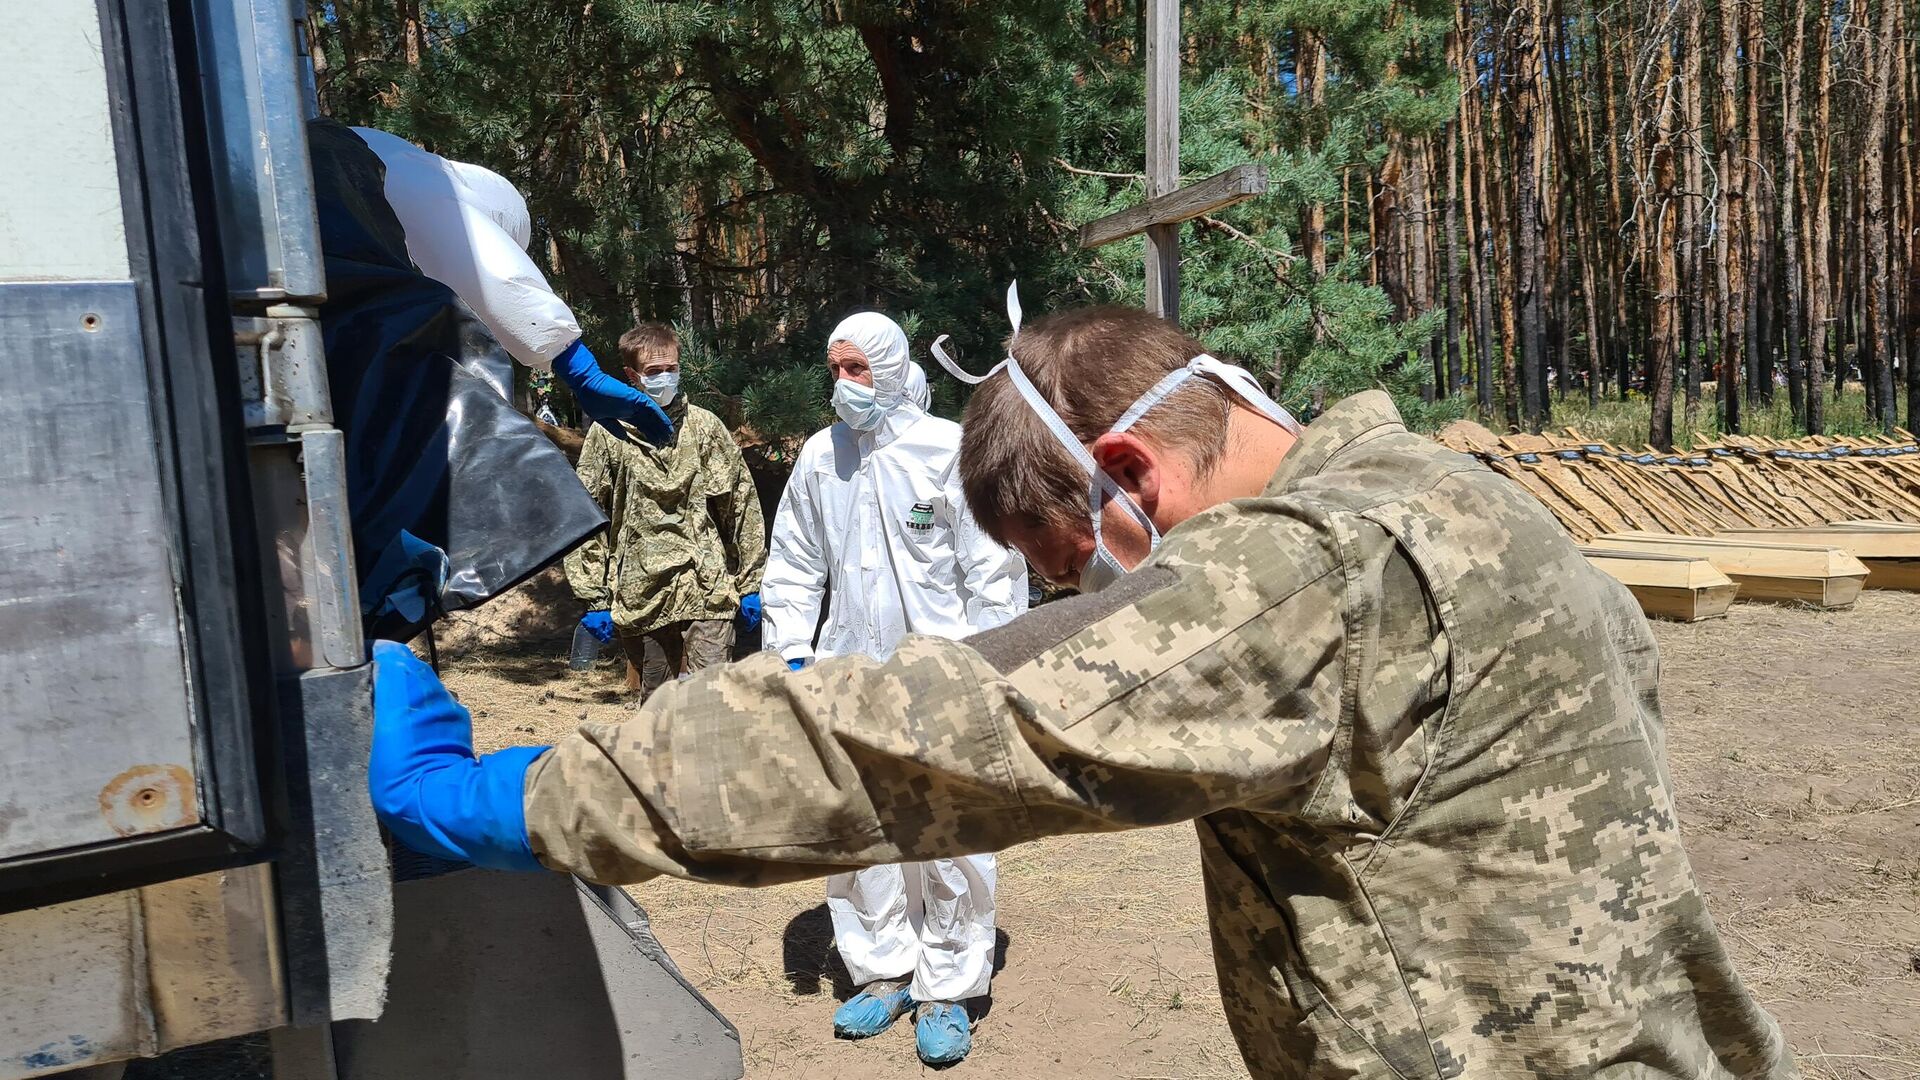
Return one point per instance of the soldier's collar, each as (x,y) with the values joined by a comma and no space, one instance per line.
(1348,421)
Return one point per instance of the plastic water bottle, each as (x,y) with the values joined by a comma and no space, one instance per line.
(586,649)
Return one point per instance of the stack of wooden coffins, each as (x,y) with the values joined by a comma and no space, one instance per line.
(1809,520)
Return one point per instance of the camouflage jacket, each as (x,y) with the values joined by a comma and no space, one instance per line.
(1418,734)
(688,537)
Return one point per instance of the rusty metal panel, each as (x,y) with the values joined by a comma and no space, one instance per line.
(136,973)
(213,957)
(99,742)
(74,978)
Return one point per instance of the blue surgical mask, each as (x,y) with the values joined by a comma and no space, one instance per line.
(857,404)
(662,388)
(1102,568)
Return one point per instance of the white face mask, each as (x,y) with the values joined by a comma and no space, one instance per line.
(662,388)
(857,405)
(1102,567)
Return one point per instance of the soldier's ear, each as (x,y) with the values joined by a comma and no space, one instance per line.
(1133,463)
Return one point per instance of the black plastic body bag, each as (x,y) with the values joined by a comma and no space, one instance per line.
(455,496)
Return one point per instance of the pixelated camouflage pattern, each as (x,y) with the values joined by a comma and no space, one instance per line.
(1418,735)
(689,537)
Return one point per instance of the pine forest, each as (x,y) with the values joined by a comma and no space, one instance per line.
(1511,209)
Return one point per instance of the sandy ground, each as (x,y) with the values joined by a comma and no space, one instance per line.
(1793,737)
(1793,740)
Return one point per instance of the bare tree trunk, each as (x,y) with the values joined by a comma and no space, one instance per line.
(1586,210)
(1820,239)
(1792,200)
(1910,98)
(1664,238)
(1762,193)
(1310,82)
(1527,118)
(413,33)
(1618,320)
(1556,199)
(1418,232)
(1479,238)
(1454,298)
(1692,206)
(1733,222)
(1878,218)
(1500,216)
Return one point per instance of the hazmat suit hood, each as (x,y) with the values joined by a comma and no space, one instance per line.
(884,344)
(916,390)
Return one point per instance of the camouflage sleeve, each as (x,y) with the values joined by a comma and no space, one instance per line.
(586,565)
(1211,679)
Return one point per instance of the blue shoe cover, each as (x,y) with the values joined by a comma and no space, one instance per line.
(944,1033)
(872,1010)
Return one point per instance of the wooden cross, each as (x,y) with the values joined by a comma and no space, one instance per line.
(1168,204)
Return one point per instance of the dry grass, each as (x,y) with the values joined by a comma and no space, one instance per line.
(1792,740)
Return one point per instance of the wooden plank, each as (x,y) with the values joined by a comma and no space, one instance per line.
(1553,477)
(1822,576)
(1237,184)
(1884,540)
(1651,491)
(1163,156)
(1668,586)
(1623,501)
(1775,488)
(1890,551)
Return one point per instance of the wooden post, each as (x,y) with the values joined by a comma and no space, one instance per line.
(1163,153)
(1168,204)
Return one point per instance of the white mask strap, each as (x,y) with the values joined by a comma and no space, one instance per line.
(953,366)
(1238,380)
(1014,314)
(1101,488)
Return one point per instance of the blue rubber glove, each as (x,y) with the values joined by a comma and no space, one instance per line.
(750,611)
(796,663)
(599,624)
(607,399)
(427,787)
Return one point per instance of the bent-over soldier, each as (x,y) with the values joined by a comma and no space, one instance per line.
(1418,734)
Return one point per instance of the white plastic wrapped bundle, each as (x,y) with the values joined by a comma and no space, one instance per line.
(467,228)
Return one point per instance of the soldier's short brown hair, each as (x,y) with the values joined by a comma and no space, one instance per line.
(1090,365)
(644,338)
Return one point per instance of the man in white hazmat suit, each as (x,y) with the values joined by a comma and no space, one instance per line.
(467,228)
(874,515)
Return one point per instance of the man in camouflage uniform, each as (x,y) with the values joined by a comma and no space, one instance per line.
(1418,735)
(685,541)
